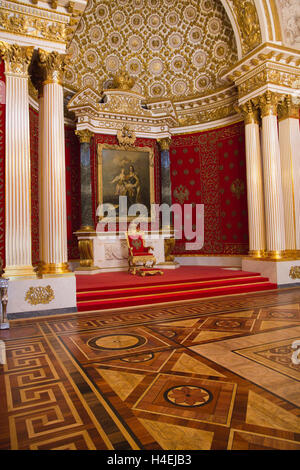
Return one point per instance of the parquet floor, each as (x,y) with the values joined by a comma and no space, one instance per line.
(214,374)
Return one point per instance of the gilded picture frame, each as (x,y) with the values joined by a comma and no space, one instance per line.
(114,165)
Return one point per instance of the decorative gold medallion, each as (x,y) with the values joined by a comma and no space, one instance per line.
(126,136)
(295,272)
(237,188)
(39,295)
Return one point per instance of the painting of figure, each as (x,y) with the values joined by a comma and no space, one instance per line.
(125,172)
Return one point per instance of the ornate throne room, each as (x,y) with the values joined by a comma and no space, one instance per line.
(128,337)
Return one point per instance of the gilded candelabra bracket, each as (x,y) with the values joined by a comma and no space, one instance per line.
(295,272)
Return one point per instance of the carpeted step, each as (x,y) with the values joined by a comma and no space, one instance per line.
(100,294)
(153,298)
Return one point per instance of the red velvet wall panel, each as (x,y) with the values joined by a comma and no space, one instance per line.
(34,160)
(2,161)
(210,168)
(112,140)
(72,149)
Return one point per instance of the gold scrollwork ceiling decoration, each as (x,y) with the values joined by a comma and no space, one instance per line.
(171,49)
(248,22)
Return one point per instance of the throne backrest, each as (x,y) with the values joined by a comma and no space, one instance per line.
(136,241)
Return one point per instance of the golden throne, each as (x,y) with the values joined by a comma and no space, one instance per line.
(138,253)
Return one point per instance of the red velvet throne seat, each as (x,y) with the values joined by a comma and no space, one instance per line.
(138,253)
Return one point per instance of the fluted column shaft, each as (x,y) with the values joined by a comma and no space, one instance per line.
(54,254)
(17,162)
(275,231)
(255,190)
(289,139)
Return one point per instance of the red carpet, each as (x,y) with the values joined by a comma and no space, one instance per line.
(120,289)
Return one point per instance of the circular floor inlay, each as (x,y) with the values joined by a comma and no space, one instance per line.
(188,396)
(116,342)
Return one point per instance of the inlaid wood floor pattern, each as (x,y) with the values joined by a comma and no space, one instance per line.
(215,374)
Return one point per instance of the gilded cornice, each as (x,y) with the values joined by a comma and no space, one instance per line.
(270,66)
(17,58)
(39,24)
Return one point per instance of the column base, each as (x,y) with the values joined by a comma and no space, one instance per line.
(258,254)
(275,255)
(16,272)
(54,269)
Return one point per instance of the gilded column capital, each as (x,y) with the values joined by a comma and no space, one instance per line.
(52,65)
(17,58)
(268,103)
(287,108)
(164,143)
(249,112)
(84,135)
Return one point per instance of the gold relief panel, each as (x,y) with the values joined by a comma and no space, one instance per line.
(39,295)
(295,272)
(28,25)
(248,22)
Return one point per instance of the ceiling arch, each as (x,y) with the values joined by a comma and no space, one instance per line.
(175,49)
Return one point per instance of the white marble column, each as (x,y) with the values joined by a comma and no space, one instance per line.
(54,255)
(274,208)
(289,139)
(17,163)
(255,189)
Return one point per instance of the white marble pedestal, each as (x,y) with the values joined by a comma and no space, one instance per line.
(110,251)
(277,271)
(34,297)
